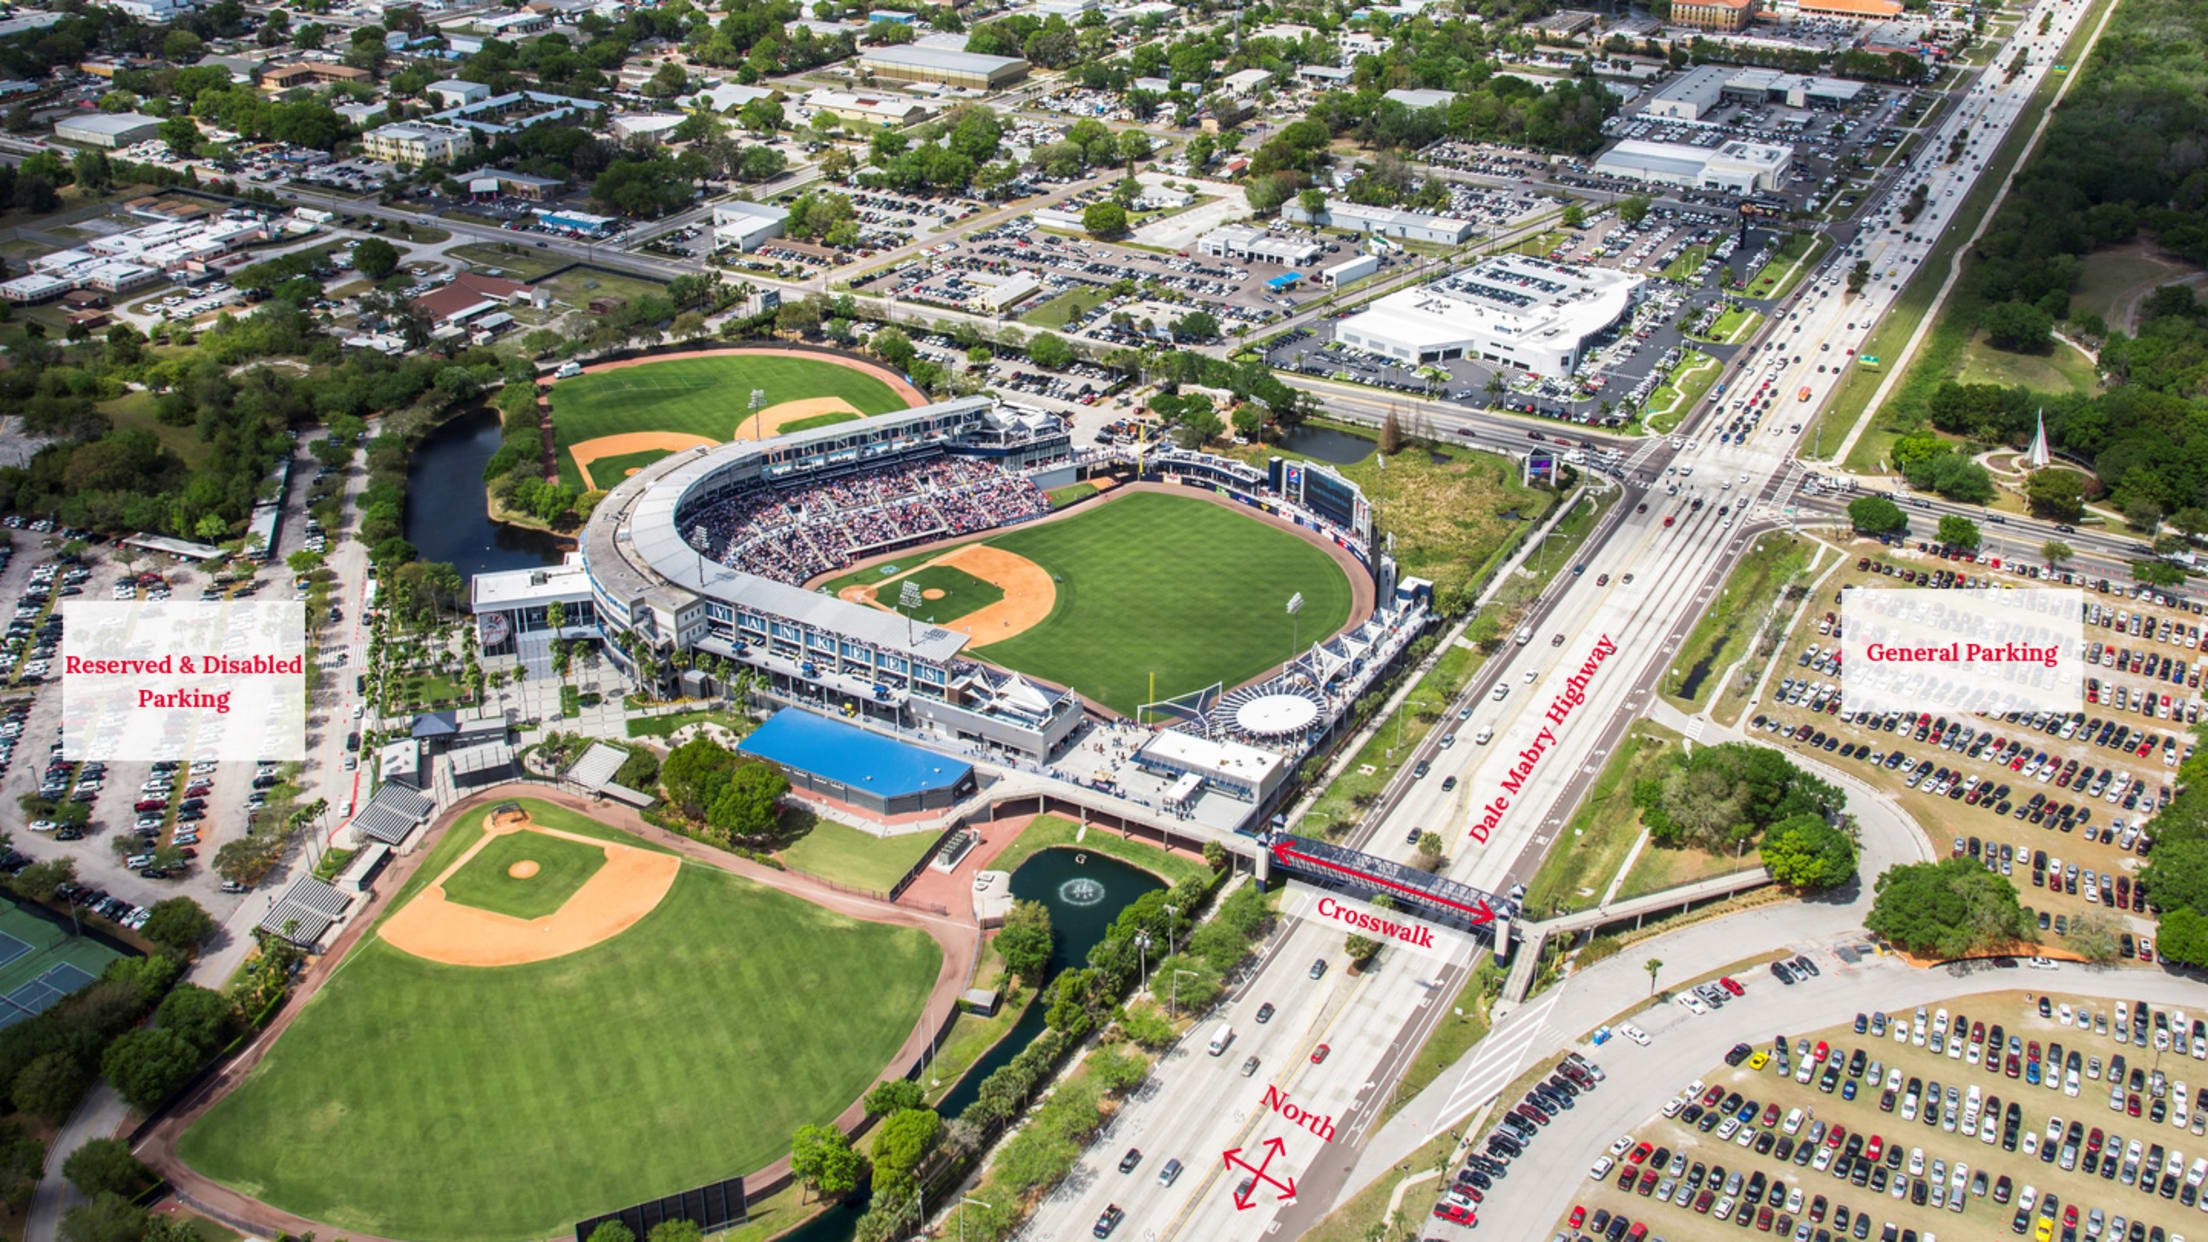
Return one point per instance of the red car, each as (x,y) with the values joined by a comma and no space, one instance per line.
(1667,519)
(1577,1218)
(1455,1215)
(1318,1054)
(1729,984)
(1640,1152)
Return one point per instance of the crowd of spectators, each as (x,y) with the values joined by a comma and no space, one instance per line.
(801,531)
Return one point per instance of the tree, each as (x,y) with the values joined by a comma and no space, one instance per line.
(2177,873)
(2056,494)
(1652,966)
(1025,940)
(1430,848)
(2093,936)
(1215,856)
(1876,515)
(895,1096)
(1959,532)
(2018,327)
(376,258)
(2143,513)
(612,1231)
(39,880)
(1196,325)
(821,1158)
(149,1065)
(1117,1070)
(1104,220)
(679,1229)
(2183,936)
(2057,553)
(1805,852)
(750,803)
(1947,909)
(105,1166)
(204,1017)
(1575,216)
(177,923)
(1049,351)
(1633,210)
(50,1087)
(1312,201)
(106,1218)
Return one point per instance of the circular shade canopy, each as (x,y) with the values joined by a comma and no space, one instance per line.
(1276,715)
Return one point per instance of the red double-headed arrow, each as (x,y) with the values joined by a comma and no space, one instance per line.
(1284,852)
(1244,1200)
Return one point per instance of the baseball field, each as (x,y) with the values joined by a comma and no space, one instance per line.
(1149,583)
(615,419)
(417,1098)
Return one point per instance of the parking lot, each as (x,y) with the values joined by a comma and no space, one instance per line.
(2010,1110)
(2058,804)
(151,828)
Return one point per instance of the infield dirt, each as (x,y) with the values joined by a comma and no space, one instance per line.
(1029,593)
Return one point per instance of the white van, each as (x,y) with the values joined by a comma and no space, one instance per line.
(1221,1038)
(1483,736)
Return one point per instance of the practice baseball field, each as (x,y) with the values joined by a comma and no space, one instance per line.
(416,1098)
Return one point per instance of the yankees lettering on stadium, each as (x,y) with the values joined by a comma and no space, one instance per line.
(1558,711)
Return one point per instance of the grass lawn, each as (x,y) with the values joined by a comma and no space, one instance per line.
(1689,259)
(698,396)
(1071,492)
(971,1037)
(2063,370)
(1063,309)
(1733,325)
(1733,618)
(1051,832)
(817,420)
(1662,866)
(2116,278)
(1680,390)
(1797,254)
(562,866)
(1170,586)
(1365,1215)
(1562,549)
(837,852)
(1607,824)
(134,411)
(963,593)
(662,726)
(1452,510)
(511,1102)
(422,686)
(517,262)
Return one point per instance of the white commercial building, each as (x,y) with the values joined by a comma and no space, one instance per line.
(1514,310)
(1702,90)
(107,129)
(745,225)
(1386,221)
(1420,100)
(1739,166)
(1236,241)
(1350,270)
(1248,81)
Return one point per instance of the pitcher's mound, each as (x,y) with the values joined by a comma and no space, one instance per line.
(523,869)
(932,593)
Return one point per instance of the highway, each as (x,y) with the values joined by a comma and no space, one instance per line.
(1610,629)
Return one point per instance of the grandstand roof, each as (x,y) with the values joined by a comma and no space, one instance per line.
(831,749)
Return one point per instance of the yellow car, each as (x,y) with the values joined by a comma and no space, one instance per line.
(2045,1231)
(1759,1060)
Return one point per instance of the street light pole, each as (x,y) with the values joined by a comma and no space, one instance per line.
(963,1200)
(1173,1005)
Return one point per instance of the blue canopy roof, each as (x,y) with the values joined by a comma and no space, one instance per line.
(831,749)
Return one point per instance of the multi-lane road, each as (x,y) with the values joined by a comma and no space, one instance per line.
(1602,635)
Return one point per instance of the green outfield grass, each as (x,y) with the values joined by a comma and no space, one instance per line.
(699,396)
(1170,585)
(862,860)
(607,472)
(562,866)
(452,1104)
(817,420)
(963,593)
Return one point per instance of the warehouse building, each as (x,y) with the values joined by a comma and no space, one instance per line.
(1349,271)
(107,129)
(745,225)
(1513,310)
(1740,167)
(1386,221)
(867,109)
(916,63)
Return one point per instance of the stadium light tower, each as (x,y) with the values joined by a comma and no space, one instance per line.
(1295,625)
(758,402)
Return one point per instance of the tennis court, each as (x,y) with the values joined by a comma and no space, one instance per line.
(41,962)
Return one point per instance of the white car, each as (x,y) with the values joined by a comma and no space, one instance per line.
(1634,1033)
(1692,1003)
(1601,1168)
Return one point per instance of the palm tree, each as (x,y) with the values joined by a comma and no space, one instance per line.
(1652,965)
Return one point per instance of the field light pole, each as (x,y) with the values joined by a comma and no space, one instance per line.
(963,1200)
(1172,1009)
(1172,913)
